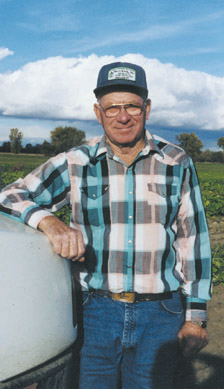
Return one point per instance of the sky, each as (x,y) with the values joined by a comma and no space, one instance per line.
(51,52)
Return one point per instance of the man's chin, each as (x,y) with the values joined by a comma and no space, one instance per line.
(128,143)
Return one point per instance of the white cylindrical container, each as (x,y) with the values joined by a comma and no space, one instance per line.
(36,318)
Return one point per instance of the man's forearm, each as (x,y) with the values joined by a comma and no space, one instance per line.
(47,222)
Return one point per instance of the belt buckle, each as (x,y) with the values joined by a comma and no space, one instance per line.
(125,297)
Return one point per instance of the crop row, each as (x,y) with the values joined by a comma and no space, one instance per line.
(213,197)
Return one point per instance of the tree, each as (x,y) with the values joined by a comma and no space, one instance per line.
(47,148)
(28,149)
(15,138)
(220,142)
(32,149)
(5,148)
(64,138)
(191,144)
(217,156)
(36,149)
(206,156)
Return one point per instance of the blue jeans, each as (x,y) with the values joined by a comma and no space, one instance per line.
(133,343)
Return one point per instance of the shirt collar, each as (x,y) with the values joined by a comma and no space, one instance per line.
(150,146)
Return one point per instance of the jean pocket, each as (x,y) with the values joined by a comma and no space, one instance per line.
(173,305)
(86,297)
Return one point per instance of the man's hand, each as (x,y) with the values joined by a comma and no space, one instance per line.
(192,338)
(66,241)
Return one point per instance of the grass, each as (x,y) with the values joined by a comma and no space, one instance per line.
(210,171)
(13,162)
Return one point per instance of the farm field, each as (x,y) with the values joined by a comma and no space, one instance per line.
(211,177)
(14,166)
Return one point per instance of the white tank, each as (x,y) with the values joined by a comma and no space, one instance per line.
(36,319)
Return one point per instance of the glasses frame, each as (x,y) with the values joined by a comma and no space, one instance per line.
(123,106)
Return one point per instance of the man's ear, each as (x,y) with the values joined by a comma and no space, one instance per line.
(148,108)
(97,112)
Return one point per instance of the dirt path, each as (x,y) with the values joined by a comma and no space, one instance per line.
(206,370)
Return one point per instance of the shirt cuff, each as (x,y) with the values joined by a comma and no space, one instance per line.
(195,309)
(34,215)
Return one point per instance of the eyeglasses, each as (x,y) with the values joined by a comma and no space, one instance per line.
(115,109)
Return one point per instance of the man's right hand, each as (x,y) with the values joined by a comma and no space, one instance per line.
(66,241)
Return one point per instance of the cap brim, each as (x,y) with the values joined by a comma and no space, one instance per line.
(103,90)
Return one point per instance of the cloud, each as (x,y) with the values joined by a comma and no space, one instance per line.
(154,32)
(149,34)
(4,52)
(61,88)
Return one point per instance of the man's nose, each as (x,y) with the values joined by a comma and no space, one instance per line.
(123,115)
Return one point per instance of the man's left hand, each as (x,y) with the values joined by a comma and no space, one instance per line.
(192,338)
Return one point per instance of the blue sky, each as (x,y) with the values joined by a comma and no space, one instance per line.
(51,51)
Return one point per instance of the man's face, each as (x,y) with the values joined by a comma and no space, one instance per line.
(123,129)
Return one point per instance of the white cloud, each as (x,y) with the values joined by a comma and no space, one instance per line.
(4,52)
(61,88)
(149,34)
(144,34)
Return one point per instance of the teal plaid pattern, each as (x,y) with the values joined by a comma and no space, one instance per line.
(144,225)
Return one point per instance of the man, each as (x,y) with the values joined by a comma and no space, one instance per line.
(138,235)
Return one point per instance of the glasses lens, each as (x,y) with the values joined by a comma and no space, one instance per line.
(132,110)
(112,111)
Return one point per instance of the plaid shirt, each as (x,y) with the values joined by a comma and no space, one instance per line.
(143,225)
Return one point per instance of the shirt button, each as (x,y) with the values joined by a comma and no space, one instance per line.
(130,217)
(130,241)
(94,195)
(130,192)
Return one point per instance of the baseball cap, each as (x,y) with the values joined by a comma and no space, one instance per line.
(121,76)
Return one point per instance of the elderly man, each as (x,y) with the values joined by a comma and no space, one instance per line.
(138,235)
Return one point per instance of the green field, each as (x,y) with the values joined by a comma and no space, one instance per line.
(13,162)
(14,166)
(210,171)
(211,177)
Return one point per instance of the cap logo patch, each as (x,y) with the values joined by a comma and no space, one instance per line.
(122,74)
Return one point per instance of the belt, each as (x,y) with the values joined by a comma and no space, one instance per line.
(132,297)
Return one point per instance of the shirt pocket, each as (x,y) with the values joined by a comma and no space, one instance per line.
(163,190)
(94,204)
(163,202)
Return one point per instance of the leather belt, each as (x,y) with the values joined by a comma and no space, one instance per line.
(132,297)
